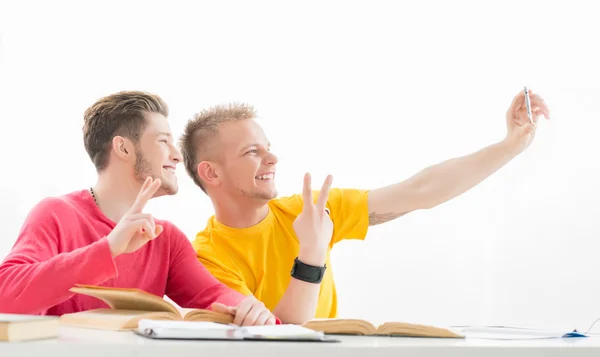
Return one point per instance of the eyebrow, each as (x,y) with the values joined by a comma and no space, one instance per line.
(164,133)
(255,144)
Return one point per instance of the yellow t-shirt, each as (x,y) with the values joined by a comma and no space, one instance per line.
(258,260)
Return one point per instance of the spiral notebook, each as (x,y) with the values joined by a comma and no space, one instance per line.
(189,330)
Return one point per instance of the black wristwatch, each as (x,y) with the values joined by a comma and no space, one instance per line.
(308,273)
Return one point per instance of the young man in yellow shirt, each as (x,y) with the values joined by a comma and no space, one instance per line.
(250,244)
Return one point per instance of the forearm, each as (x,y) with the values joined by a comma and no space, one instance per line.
(299,302)
(439,183)
(32,287)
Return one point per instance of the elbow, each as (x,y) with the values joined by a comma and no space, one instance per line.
(15,298)
(424,195)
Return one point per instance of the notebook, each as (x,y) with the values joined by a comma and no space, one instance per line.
(190,330)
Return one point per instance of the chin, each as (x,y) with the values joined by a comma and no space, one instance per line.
(267,195)
(167,190)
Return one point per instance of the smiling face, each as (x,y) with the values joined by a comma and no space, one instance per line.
(156,155)
(244,165)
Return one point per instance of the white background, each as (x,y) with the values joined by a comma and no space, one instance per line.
(370,92)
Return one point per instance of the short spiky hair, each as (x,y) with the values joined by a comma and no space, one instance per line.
(122,113)
(203,126)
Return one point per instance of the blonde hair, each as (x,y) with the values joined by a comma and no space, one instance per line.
(202,128)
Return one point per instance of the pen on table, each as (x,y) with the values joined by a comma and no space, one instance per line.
(528,104)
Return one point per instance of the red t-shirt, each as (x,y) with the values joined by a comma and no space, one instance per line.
(63,243)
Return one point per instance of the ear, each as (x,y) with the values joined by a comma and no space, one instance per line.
(207,171)
(122,148)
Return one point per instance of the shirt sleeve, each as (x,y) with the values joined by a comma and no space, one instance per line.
(349,211)
(35,276)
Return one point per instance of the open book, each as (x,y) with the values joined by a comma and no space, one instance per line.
(128,306)
(363,327)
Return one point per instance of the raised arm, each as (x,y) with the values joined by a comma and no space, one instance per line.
(442,182)
(313,228)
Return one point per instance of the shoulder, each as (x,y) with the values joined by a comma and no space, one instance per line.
(170,229)
(172,238)
(288,204)
(347,194)
(54,207)
(50,213)
(203,240)
(294,203)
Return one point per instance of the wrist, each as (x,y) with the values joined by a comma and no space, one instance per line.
(511,145)
(315,256)
(112,248)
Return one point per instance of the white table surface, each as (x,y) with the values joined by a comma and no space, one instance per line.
(86,342)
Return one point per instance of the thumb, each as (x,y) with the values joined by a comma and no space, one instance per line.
(224,309)
(158,230)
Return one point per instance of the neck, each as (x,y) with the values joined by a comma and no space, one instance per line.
(239,213)
(115,195)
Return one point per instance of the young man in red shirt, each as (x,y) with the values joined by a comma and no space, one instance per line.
(101,236)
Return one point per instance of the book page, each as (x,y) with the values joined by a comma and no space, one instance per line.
(341,326)
(416,330)
(206,315)
(8,318)
(109,319)
(127,299)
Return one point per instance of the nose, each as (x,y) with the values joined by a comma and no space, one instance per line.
(271,159)
(176,155)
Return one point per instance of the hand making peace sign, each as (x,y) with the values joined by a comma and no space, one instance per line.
(313,226)
(135,228)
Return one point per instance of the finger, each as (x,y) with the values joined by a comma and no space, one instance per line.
(146,216)
(222,308)
(252,315)
(146,184)
(138,216)
(537,111)
(538,101)
(307,191)
(143,226)
(262,318)
(529,128)
(271,320)
(144,196)
(242,310)
(324,194)
(158,230)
